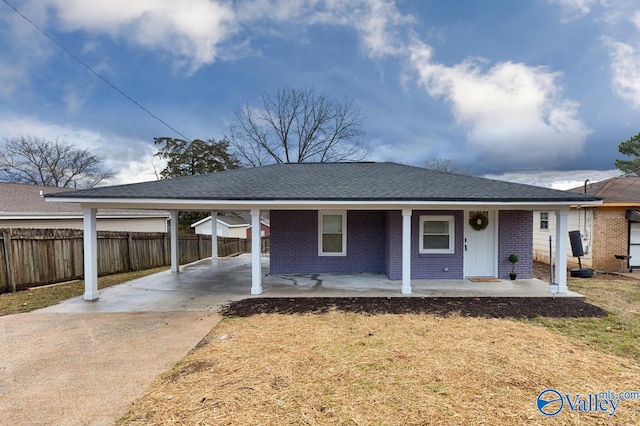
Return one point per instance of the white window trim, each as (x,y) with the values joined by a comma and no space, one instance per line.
(540,221)
(344,232)
(452,234)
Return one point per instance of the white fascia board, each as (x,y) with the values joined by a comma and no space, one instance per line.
(201,221)
(220,221)
(204,205)
(14,216)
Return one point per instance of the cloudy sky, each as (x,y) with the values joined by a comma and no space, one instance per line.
(541,91)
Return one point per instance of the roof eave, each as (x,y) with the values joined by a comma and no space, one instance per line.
(243,204)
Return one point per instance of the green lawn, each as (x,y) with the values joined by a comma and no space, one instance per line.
(618,333)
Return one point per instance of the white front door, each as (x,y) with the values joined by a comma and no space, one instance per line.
(480,244)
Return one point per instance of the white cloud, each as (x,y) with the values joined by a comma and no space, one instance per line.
(625,70)
(378,23)
(619,38)
(635,19)
(514,114)
(190,31)
(27,47)
(579,8)
(560,179)
(132,159)
(193,32)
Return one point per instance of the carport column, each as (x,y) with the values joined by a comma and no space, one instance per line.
(214,235)
(175,255)
(256,270)
(90,253)
(406,251)
(561,250)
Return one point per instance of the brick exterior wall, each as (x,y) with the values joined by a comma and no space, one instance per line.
(423,266)
(294,243)
(515,236)
(610,237)
(374,244)
(393,245)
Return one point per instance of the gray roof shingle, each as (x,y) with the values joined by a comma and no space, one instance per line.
(332,182)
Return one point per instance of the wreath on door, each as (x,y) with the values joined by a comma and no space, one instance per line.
(479,221)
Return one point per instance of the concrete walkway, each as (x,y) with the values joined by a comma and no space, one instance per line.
(83,363)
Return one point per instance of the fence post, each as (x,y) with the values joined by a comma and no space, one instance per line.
(130,251)
(6,243)
(199,242)
(164,249)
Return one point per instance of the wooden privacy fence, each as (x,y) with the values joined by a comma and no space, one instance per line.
(32,257)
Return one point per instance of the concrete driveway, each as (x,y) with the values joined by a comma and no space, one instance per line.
(86,369)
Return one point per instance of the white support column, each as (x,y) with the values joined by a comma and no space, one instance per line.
(406,251)
(214,235)
(561,250)
(90,253)
(256,270)
(175,255)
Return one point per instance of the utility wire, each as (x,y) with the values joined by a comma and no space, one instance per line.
(97,74)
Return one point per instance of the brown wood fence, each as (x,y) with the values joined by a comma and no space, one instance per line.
(32,257)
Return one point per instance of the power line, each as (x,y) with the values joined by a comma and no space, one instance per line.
(97,74)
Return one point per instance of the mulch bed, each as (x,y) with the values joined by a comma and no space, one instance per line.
(486,307)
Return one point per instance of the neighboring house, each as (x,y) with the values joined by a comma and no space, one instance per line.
(406,222)
(23,206)
(610,229)
(231,226)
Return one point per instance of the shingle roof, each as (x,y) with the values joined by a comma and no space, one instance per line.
(22,199)
(622,189)
(332,182)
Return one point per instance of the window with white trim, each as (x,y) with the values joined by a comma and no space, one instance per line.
(437,234)
(332,233)
(544,220)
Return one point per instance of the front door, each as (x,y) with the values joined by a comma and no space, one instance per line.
(480,244)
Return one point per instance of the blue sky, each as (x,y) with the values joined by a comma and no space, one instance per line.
(537,91)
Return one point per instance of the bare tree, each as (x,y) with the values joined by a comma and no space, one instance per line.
(295,126)
(445,165)
(33,160)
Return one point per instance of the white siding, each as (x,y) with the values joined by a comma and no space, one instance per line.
(576,222)
(240,232)
(222,230)
(156,224)
(205,229)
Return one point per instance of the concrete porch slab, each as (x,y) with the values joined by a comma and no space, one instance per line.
(207,285)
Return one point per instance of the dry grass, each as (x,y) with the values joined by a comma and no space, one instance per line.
(338,368)
(41,297)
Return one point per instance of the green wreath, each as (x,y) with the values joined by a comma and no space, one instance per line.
(479,221)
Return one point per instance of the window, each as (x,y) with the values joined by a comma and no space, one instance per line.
(332,233)
(544,220)
(437,234)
